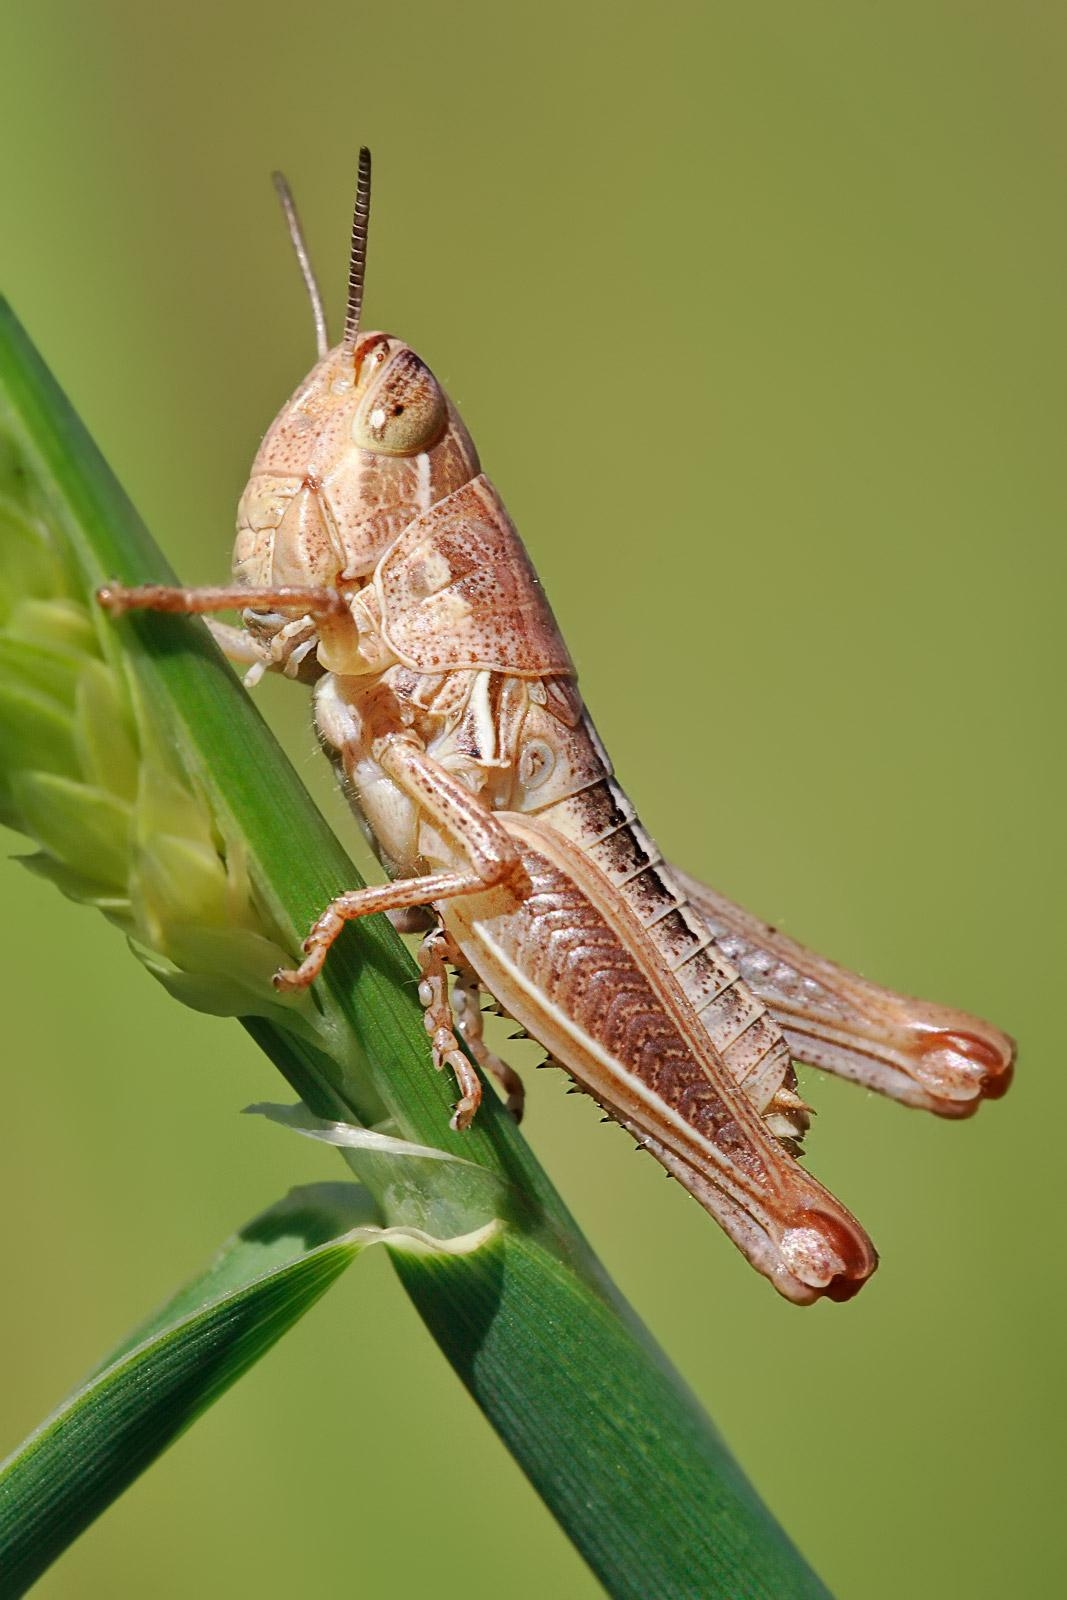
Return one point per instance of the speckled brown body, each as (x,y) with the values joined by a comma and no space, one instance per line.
(378,561)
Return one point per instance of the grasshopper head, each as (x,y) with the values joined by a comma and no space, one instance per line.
(368,442)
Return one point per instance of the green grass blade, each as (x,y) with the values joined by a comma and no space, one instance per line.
(577,1389)
(169,1371)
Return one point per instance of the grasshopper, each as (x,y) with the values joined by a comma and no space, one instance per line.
(375,560)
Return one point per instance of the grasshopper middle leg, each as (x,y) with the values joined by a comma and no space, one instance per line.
(466,1003)
(495,858)
(440,1024)
(462,1014)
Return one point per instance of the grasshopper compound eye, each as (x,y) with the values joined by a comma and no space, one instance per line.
(404,410)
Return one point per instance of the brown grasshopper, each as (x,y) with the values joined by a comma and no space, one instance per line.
(375,559)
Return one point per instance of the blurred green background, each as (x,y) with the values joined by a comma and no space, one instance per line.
(757,317)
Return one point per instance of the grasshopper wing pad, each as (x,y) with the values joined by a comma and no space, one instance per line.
(458,592)
(922,1054)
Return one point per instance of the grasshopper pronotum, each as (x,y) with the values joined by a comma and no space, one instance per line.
(375,559)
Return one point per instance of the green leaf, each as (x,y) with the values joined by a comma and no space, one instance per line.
(170,1370)
(577,1389)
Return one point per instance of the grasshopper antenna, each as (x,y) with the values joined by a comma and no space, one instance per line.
(307,272)
(357,260)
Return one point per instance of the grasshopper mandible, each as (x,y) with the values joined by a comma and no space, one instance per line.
(375,560)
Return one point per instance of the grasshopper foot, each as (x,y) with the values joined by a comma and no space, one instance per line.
(290,979)
(440,1025)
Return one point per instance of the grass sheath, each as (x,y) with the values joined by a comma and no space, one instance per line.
(153,790)
(147,1392)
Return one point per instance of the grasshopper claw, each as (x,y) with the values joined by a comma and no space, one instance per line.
(463,1115)
(290,979)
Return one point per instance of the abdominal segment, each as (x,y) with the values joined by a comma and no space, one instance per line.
(602,823)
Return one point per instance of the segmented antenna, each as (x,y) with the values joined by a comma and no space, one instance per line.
(296,234)
(357,260)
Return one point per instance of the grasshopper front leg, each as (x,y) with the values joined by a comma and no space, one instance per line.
(291,643)
(117,599)
(922,1054)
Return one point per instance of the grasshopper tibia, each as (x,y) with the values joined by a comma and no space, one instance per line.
(116,598)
